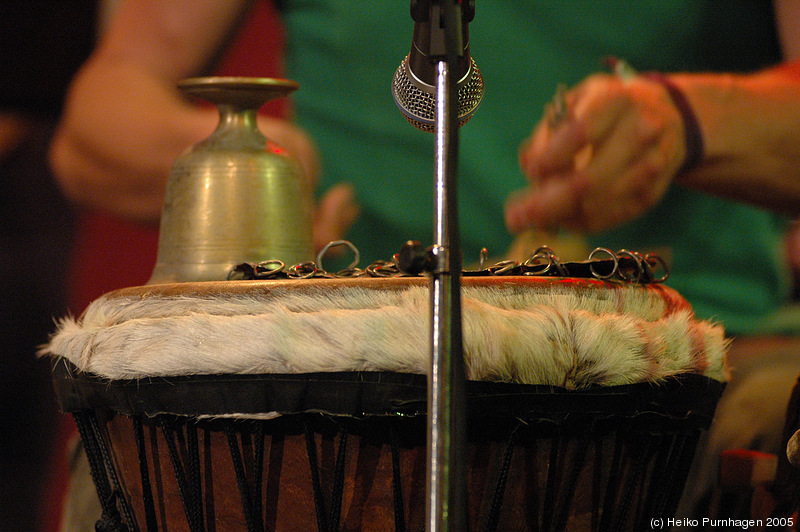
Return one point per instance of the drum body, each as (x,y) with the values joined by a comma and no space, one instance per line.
(301,405)
(349,452)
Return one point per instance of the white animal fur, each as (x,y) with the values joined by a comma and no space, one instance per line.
(547,334)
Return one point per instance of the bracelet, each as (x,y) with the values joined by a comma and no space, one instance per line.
(694,137)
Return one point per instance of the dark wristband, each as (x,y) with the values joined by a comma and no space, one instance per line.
(691,127)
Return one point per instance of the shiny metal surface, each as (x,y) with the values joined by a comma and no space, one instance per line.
(234,197)
(417,100)
(446,508)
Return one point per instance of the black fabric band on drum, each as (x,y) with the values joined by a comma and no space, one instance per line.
(695,147)
(363,394)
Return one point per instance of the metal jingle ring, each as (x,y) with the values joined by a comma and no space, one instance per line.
(639,269)
(543,252)
(383,268)
(336,243)
(530,265)
(502,267)
(295,271)
(552,262)
(271,268)
(562,271)
(611,254)
(659,261)
(261,270)
(350,272)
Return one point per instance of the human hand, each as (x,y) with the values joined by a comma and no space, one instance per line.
(606,161)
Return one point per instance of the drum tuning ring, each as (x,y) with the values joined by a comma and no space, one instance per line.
(304,270)
(612,256)
(339,243)
(547,253)
(268,269)
(638,261)
(653,261)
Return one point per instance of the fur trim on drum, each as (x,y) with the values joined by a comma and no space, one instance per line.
(570,333)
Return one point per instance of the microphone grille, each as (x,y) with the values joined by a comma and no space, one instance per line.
(418,105)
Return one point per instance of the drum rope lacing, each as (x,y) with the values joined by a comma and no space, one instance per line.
(181,435)
(115,507)
(414,261)
(118,515)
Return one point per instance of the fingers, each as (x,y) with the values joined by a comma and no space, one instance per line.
(622,170)
(335,213)
(578,205)
(593,111)
(638,188)
(609,161)
(549,205)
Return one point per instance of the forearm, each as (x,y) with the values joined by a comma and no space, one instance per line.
(125,122)
(121,132)
(751,131)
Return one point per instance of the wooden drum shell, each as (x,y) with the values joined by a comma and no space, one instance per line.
(539,458)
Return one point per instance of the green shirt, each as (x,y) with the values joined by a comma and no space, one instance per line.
(724,257)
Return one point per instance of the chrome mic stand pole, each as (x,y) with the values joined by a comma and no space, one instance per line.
(446,505)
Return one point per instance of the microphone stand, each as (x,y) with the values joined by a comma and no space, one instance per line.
(446,508)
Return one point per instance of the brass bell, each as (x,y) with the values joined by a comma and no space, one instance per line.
(234,197)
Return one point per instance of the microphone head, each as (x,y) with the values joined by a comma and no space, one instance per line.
(417,99)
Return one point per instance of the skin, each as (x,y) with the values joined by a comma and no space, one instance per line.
(622,143)
(125,123)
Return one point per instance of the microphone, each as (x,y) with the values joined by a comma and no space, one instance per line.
(413,85)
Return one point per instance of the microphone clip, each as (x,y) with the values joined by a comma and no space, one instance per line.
(431,34)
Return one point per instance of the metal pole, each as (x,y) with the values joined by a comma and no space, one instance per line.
(447,494)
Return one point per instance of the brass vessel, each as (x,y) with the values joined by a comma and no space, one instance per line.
(234,197)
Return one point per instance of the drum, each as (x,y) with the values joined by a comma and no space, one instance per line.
(300,405)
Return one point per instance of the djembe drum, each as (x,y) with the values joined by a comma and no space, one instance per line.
(300,404)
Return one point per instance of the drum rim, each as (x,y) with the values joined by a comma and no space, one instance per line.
(266,286)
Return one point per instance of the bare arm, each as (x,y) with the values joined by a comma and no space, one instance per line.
(787,15)
(124,122)
(623,143)
(751,127)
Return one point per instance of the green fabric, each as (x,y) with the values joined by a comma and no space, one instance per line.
(344,54)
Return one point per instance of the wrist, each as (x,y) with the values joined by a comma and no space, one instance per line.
(693,135)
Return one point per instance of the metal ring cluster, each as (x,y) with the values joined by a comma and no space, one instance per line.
(602,264)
